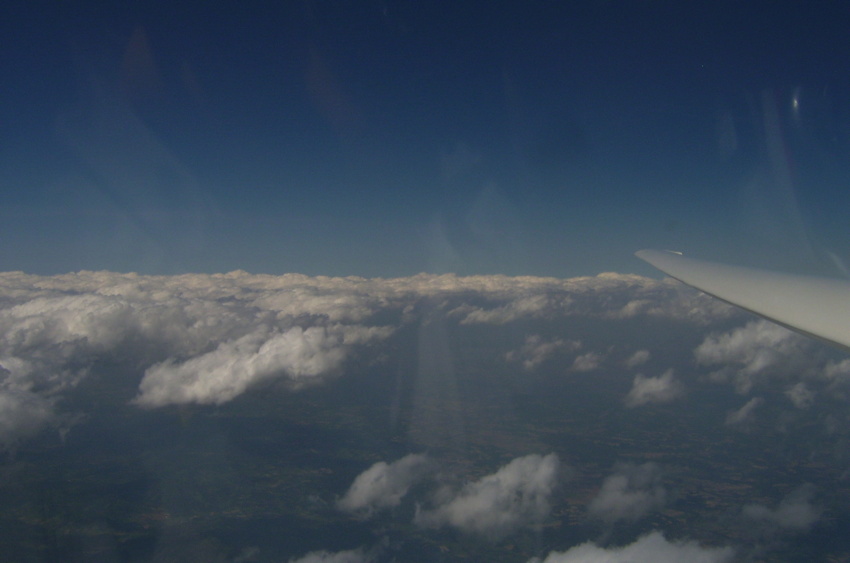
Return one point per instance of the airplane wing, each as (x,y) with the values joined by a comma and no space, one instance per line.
(818,307)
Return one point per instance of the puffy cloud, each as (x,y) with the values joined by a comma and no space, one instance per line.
(638,358)
(208,338)
(608,295)
(795,512)
(652,548)
(537,349)
(630,493)
(221,375)
(745,413)
(754,352)
(516,495)
(800,395)
(349,556)
(22,414)
(587,362)
(661,389)
(383,485)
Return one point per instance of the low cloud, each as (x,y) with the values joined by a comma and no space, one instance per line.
(795,512)
(517,495)
(206,339)
(22,414)
(652,548)
(299,355)
(631,493)
(638,358)
(536,349)
(755,352)
(647,390)
(587,362)
(383,485)
(801,395)
(350,556)
(745,413)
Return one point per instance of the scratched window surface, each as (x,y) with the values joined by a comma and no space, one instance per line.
(354,282)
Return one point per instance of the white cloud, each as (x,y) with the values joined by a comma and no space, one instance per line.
(795,512)
(22,414)
(536,349)
(383,485)
(629,494)
(638,358)
(651,548)
(516,495)
(745,413)
(350,556)
(216,377)
(208,338)
(757,351)
(587,362)
(607,295)
(661,389)
(801,395)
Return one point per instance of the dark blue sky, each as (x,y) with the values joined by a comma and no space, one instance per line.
(389,138)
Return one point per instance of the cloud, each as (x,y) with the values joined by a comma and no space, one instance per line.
(537,349)
(755,352)
(22,414)
(745,413)
(661,389)
(651,548)
(800,395)
(629,494)
(299,355)
(638,358)
(607,295)
(350,556)
(383,485)
(587,362)
(206,339)
(795,512)
(517,495)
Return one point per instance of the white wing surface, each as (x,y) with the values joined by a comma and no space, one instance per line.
(818,307)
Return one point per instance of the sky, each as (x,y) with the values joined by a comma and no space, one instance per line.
(389,138)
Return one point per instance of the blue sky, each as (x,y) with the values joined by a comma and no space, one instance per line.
(389,138)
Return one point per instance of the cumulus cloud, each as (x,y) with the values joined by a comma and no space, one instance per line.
(22,414)
(350,556)
(801,395)
(587,362)
(298,354)
(206,339)
(795,512)
(516,495)
(752,353)
(638,358)
(608,295)
(652,548)
(629,494)
(745,413)
(536,349)
(383,485)
(661,389)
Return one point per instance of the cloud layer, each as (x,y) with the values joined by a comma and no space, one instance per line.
(202,341)
(207,339)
